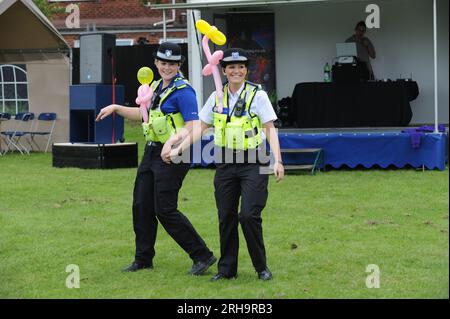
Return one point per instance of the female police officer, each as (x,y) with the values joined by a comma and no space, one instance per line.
(157,184)
(247,111)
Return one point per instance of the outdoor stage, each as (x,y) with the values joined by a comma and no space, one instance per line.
(342,147)
(367,147)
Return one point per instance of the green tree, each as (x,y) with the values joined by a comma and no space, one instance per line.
(48,9)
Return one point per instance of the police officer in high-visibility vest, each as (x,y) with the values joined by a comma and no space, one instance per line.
(238,130)
(171,116)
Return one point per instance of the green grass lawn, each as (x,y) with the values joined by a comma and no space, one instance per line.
(321,232)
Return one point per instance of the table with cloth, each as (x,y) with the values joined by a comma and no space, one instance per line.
(359,104)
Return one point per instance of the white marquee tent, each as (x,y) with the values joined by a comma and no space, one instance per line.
(412,40)
(28,38)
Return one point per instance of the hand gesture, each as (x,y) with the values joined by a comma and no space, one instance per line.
(106,111)
(365,42)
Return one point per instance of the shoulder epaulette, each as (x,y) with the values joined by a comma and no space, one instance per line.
(181,83)
(258,86)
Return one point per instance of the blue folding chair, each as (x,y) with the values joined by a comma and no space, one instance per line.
(44,127)
(3,118)
(22,128)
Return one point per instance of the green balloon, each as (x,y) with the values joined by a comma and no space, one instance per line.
(145,75)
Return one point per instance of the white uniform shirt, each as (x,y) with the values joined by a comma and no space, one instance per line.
(260,106)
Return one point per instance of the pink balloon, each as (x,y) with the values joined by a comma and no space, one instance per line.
(219,90)
(211,68)
(207,70)
(216,57)
(145,94)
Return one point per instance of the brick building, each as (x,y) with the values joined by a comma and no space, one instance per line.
(130,20)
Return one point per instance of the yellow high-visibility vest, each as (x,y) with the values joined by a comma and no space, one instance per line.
(160,126)
(238,132)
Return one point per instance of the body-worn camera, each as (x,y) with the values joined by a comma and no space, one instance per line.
(239,108)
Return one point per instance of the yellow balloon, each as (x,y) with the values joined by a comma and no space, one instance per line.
(217,37)
(202,26)
(211,32)
(145,75)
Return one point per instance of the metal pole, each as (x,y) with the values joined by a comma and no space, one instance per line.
(70,65)
(196,34)
(436,129)
(164,26)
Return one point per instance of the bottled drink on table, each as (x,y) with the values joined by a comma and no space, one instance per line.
(327,73)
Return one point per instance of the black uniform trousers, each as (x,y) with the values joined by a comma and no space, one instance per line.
(155,197)
(231,182)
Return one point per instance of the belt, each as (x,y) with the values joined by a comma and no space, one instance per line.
(235,151)
(248,156)
(154,144)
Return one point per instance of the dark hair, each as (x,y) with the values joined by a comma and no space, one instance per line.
(361,24)
(225,64)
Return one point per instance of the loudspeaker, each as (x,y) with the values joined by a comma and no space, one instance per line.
(86,101)
(96,52)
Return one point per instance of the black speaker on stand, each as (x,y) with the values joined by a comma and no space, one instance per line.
(97,50)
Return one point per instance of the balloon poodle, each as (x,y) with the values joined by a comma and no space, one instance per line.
(213,34)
